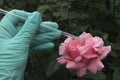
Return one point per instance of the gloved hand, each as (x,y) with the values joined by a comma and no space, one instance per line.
(15,41)
(44,36)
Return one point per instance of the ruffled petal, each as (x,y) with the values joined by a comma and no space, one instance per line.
(71,65)
(81,72)
(90,54)
(62,49)
(106,50)
(98,42)
(74,65)
(95,65)
(78,58)
(83,49)
(85,35)
(62,60)
(68,40)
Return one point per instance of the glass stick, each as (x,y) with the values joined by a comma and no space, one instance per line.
(66,34)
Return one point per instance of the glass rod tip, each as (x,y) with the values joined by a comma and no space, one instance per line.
(3,11)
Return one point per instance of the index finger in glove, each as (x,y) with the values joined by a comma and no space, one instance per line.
(46,37)
(48,26)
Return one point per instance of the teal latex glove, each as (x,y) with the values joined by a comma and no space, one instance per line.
(16,41)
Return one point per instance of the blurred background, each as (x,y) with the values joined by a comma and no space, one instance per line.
(98,17)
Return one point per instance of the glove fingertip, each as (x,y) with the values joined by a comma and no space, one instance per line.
(45,46)
(57,34)
(50,24)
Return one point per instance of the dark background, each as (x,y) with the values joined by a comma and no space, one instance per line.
(98,17)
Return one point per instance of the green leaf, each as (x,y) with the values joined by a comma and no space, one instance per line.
(63,3)
(73,79)
(63,14)
(61,74)
(116,46)
(114,54)
(116,75)
(98,76)
(1,2)
(78,29)
(43,8)
(105,36)
(52,65)
(73,15)
(56,14)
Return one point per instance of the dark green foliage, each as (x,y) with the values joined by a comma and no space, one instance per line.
(98,17)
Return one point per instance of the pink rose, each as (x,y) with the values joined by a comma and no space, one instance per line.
(82,55)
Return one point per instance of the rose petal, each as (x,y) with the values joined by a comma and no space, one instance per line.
(74,65)
(73,44)
(81,72)
(62,60)
(78,58)
(85,35)
(83,49)
(98,49)
(68,40)
(62,49)
(89,41)
(95,65)
(71,65)
(98,42)
(90,54)
(106,50)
